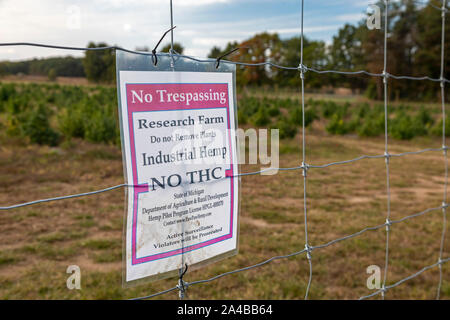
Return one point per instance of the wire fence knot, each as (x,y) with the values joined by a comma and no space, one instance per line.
(308,251)
(303,69)
(388,224)
(385,76)
(305,168)
(387,156)
(226,54)
(383,291)
(154,56)
(182,285)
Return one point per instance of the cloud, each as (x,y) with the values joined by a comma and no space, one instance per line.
(201,24)
(351,17)
(7,50)
(305,29)
(156,3)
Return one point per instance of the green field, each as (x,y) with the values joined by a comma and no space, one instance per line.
(52,114)
(57,140)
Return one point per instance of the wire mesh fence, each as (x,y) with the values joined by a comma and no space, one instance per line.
(305,166)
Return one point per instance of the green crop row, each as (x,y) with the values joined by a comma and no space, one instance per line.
(404,122)
(51,113)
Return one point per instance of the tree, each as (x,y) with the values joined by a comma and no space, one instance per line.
(63,67)
(99,65)
(373,50)
(403,48)
(52,75)
(215,52)
(413,48)
(314,56)
(176,46)
(345,54)
(143,49)
(428,54)
(260,48)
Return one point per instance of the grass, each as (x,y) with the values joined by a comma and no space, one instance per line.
(54,115)
(48,252)
(106,257)
(38,243)
(101,244)
(36,250)
(7,258)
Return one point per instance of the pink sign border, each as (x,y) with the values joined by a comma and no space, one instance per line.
(143,188)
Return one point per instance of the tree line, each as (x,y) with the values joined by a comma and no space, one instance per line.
(59,66)
(97,66)
(414,48)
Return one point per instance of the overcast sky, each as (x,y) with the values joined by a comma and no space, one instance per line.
(201,24)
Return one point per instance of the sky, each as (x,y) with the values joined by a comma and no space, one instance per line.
(200,24)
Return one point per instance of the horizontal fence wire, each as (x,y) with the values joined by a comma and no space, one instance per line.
(381,291)
(444,143)
(243,174)
(304,166)
(211,60)
(301,252)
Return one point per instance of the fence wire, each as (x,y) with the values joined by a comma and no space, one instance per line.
(304,167)
(444,200)
(240,63)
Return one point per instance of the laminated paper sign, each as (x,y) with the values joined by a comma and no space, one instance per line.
(180,162)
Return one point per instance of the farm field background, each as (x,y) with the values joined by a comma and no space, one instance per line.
(58,139)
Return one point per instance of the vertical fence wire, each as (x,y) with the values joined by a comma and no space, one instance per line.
(181,285)
(172,63)
(444,147)
(386,147)
(171,26)
(304,165)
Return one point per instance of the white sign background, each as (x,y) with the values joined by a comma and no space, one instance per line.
(183,207)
